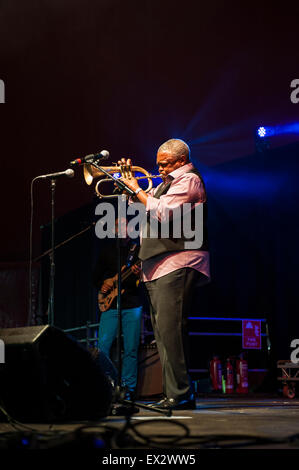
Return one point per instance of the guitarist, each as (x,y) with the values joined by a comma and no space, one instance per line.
(105,271)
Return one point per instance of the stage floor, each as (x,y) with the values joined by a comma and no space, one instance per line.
(251,422)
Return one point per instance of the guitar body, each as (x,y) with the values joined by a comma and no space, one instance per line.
(105,299)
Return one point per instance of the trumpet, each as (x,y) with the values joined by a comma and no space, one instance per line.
(125,171)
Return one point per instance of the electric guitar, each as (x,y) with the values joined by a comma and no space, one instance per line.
(105,299)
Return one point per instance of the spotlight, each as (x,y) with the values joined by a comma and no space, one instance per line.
(261,131)
(261,139)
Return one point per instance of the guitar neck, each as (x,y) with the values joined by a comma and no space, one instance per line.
(128,271)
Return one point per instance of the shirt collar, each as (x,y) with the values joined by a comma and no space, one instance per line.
(181,170)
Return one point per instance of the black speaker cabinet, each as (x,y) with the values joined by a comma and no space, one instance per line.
(47,376)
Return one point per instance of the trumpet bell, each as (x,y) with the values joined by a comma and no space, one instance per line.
(88,175)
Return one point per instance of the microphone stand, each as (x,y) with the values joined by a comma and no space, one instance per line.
(119,358)
(52,257)
(119,396)
(53,176)
(121,186)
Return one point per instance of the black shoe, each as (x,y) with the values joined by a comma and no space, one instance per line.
(176,404)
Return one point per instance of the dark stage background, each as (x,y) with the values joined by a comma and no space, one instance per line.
(125,76)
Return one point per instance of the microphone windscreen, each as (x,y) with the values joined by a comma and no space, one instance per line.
(69,173)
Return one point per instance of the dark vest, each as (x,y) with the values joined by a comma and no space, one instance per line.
(155,246)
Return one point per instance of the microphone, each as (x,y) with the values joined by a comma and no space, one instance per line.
(103,155)
(69,173)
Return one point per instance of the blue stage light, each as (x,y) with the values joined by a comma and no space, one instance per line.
(262,138)
(262,132)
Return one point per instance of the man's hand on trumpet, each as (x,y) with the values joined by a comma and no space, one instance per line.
(132,182)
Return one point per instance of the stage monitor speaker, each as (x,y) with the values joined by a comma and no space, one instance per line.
(48,376)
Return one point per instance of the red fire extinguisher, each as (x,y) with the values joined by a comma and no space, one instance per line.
(229,377)
(242,375)
(216,373)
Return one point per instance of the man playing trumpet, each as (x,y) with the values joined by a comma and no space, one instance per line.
(171,272)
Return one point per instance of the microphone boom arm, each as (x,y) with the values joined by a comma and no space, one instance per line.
(120,184)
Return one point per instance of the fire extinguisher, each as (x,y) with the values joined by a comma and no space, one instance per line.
(216,373)
(229,377)
(242,375)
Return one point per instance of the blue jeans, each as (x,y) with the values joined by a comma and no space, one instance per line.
(131,327)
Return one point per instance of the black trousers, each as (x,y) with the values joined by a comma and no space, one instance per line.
(170,299)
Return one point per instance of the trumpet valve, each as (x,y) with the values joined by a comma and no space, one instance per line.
(126,171)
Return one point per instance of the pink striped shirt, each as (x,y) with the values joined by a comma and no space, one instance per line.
(185,187)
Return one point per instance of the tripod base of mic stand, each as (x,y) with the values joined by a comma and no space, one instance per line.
(123,407)
(167,413)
